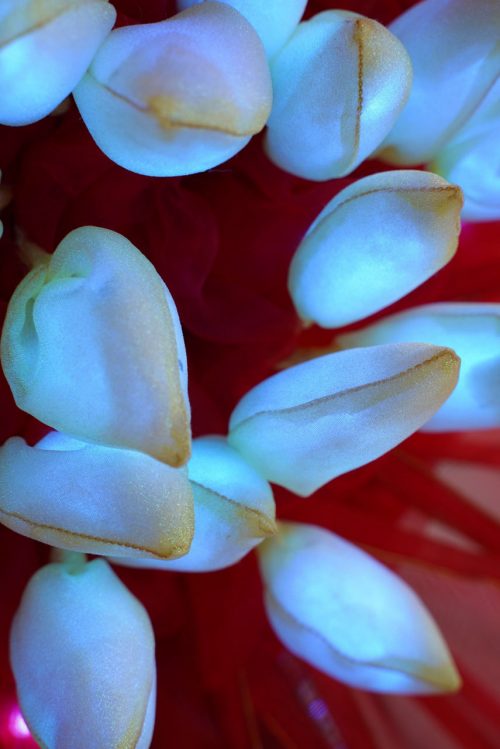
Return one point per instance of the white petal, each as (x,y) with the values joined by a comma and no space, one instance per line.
(376,241)
(82,652)
(95,499)
(45,48)
(92,346)
(310,423)
(273,21)
(233,509)
(455,53)
(179,96)
(351,617)
(473,331)
(339,84)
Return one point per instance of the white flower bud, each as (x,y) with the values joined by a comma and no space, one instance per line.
(179,96)
(339,84)
(376,241)
(45,48)
(273,21)
(473,331)
(95,499)
(93,347)
(233,509)
(310,423)
(82,653)
(351,617)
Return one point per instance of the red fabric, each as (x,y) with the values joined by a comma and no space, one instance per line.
(223,241)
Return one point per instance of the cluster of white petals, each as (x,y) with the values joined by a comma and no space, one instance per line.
(348,615)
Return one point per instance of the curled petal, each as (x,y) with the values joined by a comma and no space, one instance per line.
(95,499)
(45,48)
(274,22)
(233,509)
(351,617)
(473,331)
(310,423)
(82,653)
(455,52)
(92,346)
(339,84)
(376,241)
(179,96)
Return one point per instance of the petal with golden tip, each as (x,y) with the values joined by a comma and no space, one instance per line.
(95,499)
(45,48)
(82,653)
(351,617)
(179,96)
(339,84)
(92,346)
(233,509)
(376,241)
(310,423)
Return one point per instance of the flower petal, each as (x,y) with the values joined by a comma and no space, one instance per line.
(376,241)
(339,84)
(473,331)
(234,509)
(45,48)
(310,423)
(455,53)
(82,652)
(274,22)
(92,346)
(95,499)
(351,617)
(180,96)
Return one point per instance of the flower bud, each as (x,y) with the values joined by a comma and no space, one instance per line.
(349,616)
(179,96)
(310,423)
(233,509)
(95,499)
(473,331)
(82,653)
(454,50)
(45,48)
(274,22)
(339,84)
(93,347)
(376,241)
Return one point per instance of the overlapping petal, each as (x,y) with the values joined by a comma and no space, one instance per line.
(339,84)
(82,653)
(351,617)
(179,96)
(95,499)
(473,331)
(376,241)
(233,509)
(92,346)
(310,423)
(45,48)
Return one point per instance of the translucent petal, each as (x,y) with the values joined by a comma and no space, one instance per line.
(274,22)
(473,331)
(82,653)
(234,509)
(180,96)
(95,499)
(310,423)
(45,48)
(376,241)
(351,617)
(92,346)
(339,84)
(455,52)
